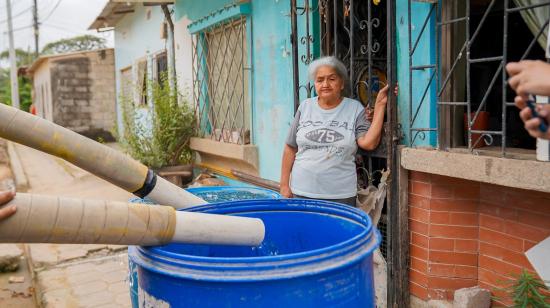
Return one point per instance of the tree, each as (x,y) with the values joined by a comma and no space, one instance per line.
(25,87)
(77,43)
(22,57)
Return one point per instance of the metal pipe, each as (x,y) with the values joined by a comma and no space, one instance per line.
(335,16)
(294,42)
(468,92)
(94,157)
(422,29)
(488,59)
(410,72)
(504,75)
(436,72)
(50,219)
(522,8)
(534,40)
(452,21)
(256,180)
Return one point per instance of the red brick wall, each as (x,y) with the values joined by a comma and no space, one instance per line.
(466,233)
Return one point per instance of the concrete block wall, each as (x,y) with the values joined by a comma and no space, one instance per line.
(70,93)
(83,93)
(103,88)
(465,233)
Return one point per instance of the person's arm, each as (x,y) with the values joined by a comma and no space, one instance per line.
(530,77)
(370,140)
(5,197)
(289,154)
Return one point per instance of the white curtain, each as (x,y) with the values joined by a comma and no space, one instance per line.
(535,18)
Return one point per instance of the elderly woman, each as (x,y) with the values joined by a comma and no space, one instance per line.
(319,155)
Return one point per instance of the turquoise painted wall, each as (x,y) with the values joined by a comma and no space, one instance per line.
(424,54)
(195,9)
(272,96)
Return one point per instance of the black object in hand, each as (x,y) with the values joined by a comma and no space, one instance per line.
(543,126)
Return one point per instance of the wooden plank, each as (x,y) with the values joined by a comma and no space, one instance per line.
(399,257)
(398,248)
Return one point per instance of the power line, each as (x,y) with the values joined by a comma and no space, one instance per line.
(20,28)
(18,14)
(61,28)
(51,12)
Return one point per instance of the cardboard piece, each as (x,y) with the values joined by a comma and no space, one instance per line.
(538,256)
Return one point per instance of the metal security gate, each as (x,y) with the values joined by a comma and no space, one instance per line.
(361,34)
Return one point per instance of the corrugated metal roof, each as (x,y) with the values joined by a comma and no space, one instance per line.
(114,10)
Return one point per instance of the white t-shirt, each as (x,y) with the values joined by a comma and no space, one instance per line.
(324,166)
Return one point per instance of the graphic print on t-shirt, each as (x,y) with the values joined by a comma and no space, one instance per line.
(324,135)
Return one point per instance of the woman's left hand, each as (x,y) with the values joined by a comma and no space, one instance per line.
(381,102)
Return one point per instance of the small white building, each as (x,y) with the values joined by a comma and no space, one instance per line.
(77,90)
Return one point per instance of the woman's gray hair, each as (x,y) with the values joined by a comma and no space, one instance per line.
(336,64)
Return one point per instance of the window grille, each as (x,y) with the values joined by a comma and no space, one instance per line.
(221,83)
(142,97)
(126,85)
(161,66)
(473,41)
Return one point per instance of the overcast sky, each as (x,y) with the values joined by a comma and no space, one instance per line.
(58,19)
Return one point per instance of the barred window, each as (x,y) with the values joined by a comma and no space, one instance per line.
(142,97)
(161,66)
(221,83)
(474,40)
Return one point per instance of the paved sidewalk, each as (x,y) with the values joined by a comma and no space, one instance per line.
(74,275)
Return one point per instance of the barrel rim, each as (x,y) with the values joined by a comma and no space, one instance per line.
(297,205)
(273,194)
(247,268)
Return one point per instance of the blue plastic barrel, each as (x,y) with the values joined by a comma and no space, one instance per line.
(210,194)
(315,254)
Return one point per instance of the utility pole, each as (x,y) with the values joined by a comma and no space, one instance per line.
(13,65)
(171,51)
(35,26)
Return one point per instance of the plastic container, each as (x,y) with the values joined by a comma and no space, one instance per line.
(316,254)
(210,194)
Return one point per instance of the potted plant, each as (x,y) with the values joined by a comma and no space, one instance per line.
(158,134)
(525,290)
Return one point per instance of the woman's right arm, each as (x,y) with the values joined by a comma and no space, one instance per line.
(289,154)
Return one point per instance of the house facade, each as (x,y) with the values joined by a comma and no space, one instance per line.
(141,53)
(76,90)
(242,79)
(467,197)
(477,197)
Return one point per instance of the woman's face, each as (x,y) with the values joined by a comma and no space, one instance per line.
(328,83)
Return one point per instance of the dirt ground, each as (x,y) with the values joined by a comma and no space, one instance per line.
(17,294)
(14,294)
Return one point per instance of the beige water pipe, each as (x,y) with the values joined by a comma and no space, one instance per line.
(48,219)
(94,157)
